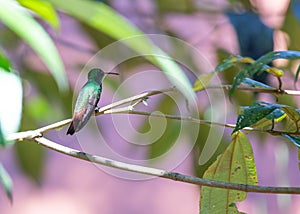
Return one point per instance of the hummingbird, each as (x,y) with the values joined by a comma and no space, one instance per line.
(87,100)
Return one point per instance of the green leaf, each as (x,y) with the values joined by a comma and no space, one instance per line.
(261,65)
(19,21)
(44,10)
(236,165)
(11,93)
(231,61)
(254,113)
(292,119)
(105,19)
(31,159)
(6,182)
(203,81)
(4,63)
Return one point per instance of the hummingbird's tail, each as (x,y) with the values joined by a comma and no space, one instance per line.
(71,129)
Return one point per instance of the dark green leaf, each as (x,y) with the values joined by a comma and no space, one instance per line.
(31,158)
(274,117)
(236,165)
(269,57)
(6,182)
(254,113)
(231,61)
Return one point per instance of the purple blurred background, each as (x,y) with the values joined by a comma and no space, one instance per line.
(74,186)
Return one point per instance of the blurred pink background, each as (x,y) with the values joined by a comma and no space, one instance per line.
(74,186)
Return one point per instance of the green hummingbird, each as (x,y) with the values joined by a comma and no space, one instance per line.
(87,100)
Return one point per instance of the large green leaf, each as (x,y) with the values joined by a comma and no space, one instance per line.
(108,21)
(11,94)
(43,9)
(23,24)
(236,165)
(6,182)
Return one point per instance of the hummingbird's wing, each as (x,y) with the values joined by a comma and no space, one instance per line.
(85,106)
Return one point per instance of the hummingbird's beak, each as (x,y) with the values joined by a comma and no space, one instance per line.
(114,73)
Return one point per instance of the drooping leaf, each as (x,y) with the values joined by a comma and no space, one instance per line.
(254,113)
(6,182)
(23,24)
(4,63)
(31,159)
(236,165)
(11,94)
(203,81)
(105,19)
(44,10)
(292,119)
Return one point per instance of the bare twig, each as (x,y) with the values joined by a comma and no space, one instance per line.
(162,173)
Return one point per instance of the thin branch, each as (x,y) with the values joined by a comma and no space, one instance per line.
(36,136)
(128,110)
(134,98)
(259,90)
(108,109)
(162,173)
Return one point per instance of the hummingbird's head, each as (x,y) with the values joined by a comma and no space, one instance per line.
(96,74)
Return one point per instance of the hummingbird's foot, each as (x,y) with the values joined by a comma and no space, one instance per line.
(97,109)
